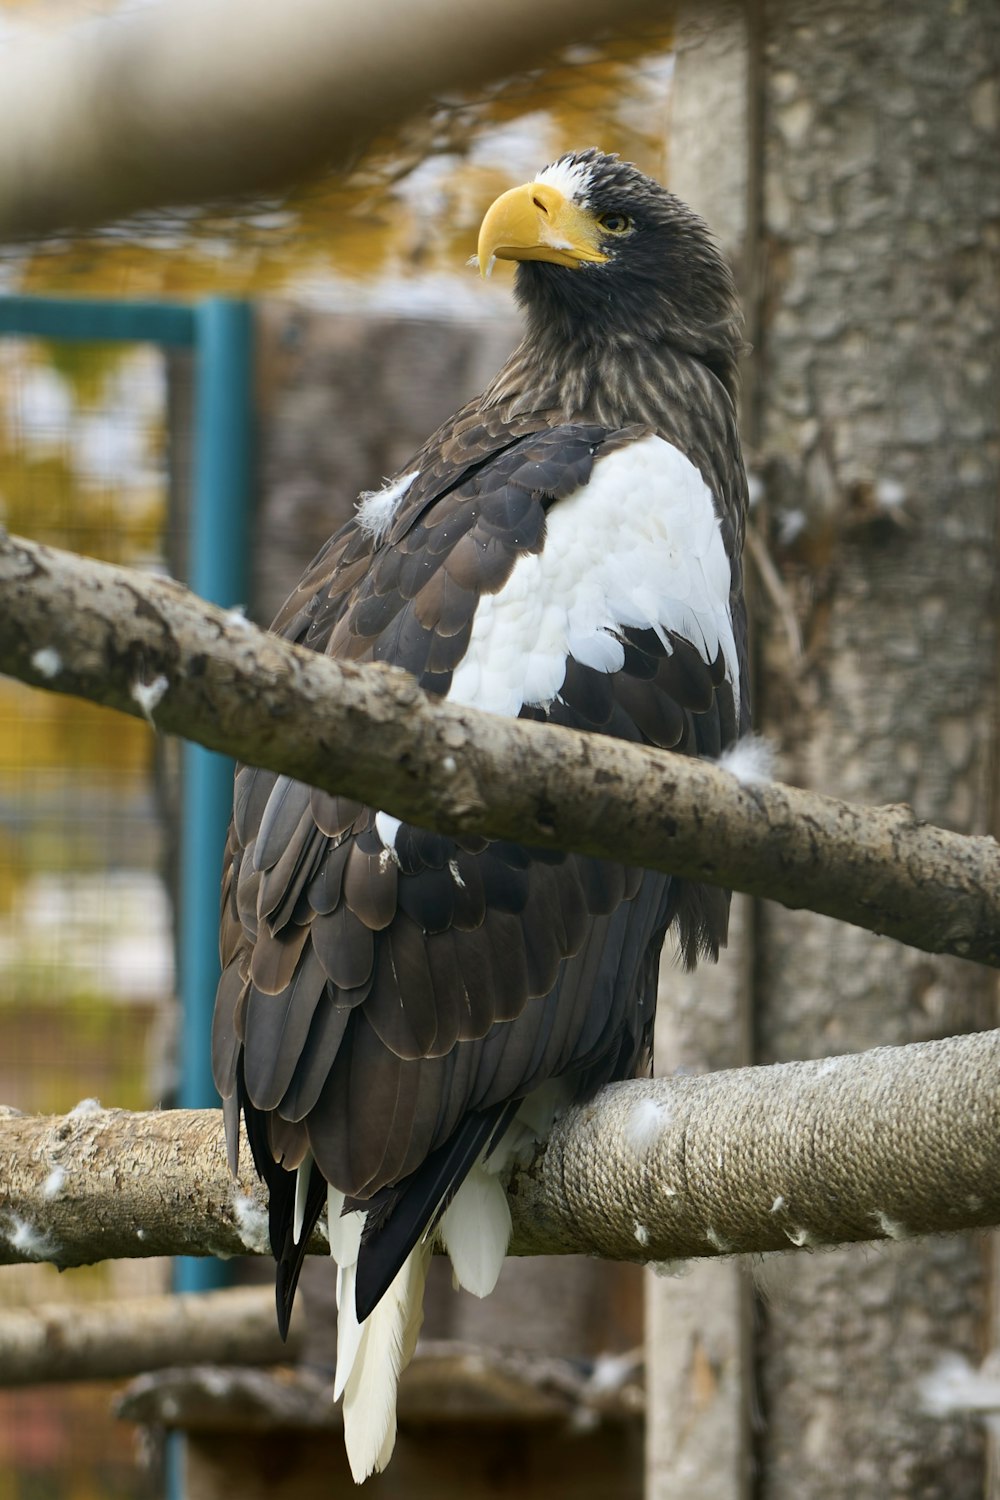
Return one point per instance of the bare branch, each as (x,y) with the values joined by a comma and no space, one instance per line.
(106,1340)
(184,102)
(104,1184)
(884,1145)
(147,647)
(445,1381)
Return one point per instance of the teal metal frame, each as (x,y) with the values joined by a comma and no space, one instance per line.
(220,334)
(219,570)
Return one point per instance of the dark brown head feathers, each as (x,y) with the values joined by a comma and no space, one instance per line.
(665,283)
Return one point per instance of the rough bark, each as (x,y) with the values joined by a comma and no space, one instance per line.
(470,1423)
(185,102)
(698,1324)
(879,421)
(890,1144)
(446,1382)
(698,1331)
(145,646)
(106,1340)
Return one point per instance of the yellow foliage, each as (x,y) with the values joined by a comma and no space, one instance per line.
(366,224)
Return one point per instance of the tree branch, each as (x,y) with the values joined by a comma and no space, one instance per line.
(147,647)
(883,1145)
(185,102)
(106,1340)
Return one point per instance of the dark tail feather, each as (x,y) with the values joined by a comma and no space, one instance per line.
(292,1254)
(399,1215)
(280,1184)
(280,1206)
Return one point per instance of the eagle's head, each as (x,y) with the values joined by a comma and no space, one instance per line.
(606,253)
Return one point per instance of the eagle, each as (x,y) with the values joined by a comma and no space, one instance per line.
(402,1014)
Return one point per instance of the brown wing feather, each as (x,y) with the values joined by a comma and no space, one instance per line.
(371,1000)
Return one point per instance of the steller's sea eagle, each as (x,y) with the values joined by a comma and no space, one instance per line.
(401,1013)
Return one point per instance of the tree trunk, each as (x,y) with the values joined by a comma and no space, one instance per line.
(56,1342)
(878,379)
(698,1335)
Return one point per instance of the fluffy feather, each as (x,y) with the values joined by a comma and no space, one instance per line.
(475,1231)
(377,1352)
(376,508)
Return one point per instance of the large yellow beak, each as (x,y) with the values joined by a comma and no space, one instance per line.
(537,222)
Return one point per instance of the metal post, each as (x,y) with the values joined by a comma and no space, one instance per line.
(219,571)
(98,319)
(221,332)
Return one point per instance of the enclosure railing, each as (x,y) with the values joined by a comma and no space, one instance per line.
(219,333)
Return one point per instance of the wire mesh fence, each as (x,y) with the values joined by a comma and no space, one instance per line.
(86,924)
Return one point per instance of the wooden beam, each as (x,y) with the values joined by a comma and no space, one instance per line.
(107,1340)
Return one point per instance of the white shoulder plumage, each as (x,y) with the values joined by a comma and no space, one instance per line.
(639,545)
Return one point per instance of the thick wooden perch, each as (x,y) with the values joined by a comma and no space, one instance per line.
(106,1340)
(884,1145)
(447,1384)
(183,102)
(147,647)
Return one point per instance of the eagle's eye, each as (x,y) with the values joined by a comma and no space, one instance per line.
(615,223)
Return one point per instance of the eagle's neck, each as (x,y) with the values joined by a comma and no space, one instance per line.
(630,381)
(675,394)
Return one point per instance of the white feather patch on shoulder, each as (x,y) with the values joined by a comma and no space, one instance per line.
(640,545)
(475,1231)
(376,508)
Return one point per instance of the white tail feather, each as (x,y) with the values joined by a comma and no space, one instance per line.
(476,1231)
(387,1339)
(302,1177)
(345,1243)
(343,1230)
(349,1330)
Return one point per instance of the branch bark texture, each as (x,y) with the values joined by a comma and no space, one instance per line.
(147,647)
(107,1340)
(184,102)
(887,1144)
(877,381)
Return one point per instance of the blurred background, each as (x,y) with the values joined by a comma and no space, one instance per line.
(370,328)
(846,156)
